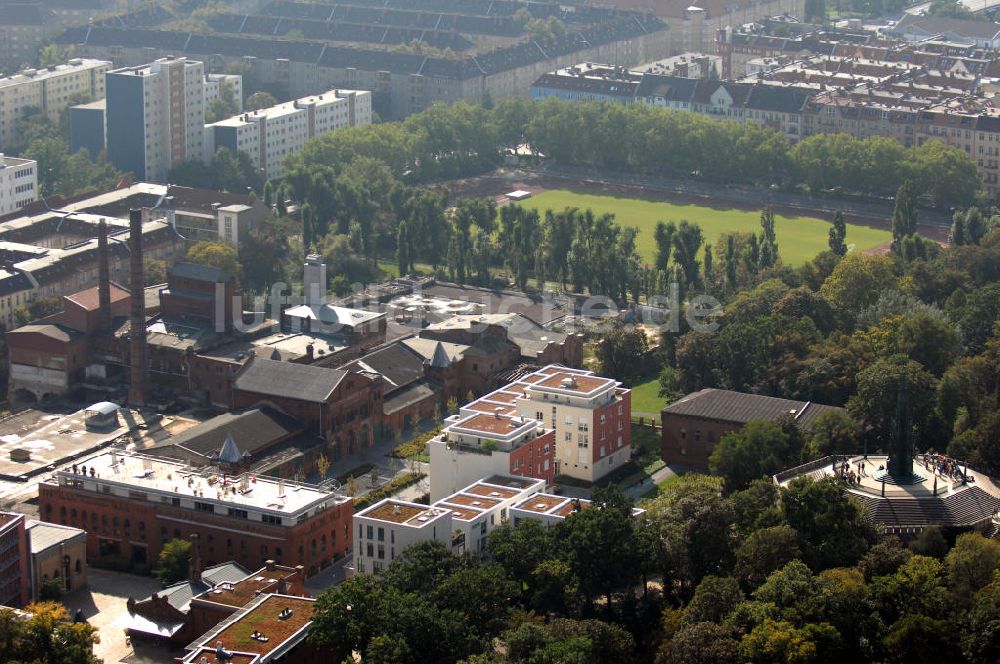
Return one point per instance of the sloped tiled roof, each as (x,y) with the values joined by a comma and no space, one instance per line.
(741,407)
(397,364)
(289,380)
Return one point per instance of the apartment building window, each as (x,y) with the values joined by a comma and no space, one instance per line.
(568,435)
(237,513)
(381,534)
(604,418)
(203,507)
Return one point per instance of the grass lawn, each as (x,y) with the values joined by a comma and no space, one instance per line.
(646,399)
(799,238)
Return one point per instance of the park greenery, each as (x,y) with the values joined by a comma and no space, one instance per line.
(59,172)
(763,575)
(359,195)
(44,634)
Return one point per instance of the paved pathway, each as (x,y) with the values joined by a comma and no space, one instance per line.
(103,602)
(636,491)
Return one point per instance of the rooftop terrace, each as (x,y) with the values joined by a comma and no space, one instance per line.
(280,620)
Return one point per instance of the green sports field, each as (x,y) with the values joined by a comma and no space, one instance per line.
(799,238)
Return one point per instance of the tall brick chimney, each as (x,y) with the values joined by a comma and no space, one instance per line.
(194,564)
(137,327)
(103,277)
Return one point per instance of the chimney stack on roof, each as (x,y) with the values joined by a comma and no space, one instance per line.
(137,331)
(103,277)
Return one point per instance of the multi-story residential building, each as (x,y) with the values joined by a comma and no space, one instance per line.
(156,116)
(49,90)
(591,417)
(505,65)
(461,521)
(269,135)
(214,84)
(131,505)
(554,421)
(387,528)
(693,23)
(15,584)
(588,82)
(23,28)
(488,437)
(88,128)
(18,183)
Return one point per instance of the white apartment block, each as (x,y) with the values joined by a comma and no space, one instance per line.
(477,444)
(214,83)
(156,116)
(50,90)
(269,135)
(461,521)
(382,531)
(18,183)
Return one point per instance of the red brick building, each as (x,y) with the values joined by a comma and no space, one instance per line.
(199,293)
(693,425)
(341,406)
(132,505)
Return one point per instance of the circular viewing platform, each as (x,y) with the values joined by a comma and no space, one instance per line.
(942,492)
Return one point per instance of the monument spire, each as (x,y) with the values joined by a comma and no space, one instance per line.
(901,444)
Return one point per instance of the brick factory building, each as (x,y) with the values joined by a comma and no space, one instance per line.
(131,505)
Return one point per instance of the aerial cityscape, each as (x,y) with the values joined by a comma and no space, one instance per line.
(500,331)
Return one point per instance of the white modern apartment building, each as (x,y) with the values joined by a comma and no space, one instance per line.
(156,116)
(49,90)
(461,521)
(555,421)
(487,438)
(271,134)
(214,83)
(18,183)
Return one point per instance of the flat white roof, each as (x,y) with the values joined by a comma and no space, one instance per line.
(42,73)
(137,472)
(287,108)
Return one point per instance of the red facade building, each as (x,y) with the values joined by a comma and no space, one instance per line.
(132,505)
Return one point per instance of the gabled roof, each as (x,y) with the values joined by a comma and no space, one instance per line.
(396,363)
(428,349)
(669,88)
(777,98)
(90,299)
(43,535)
(53,331)
(289,380)
(741,407)
(934,25)
(251,430)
